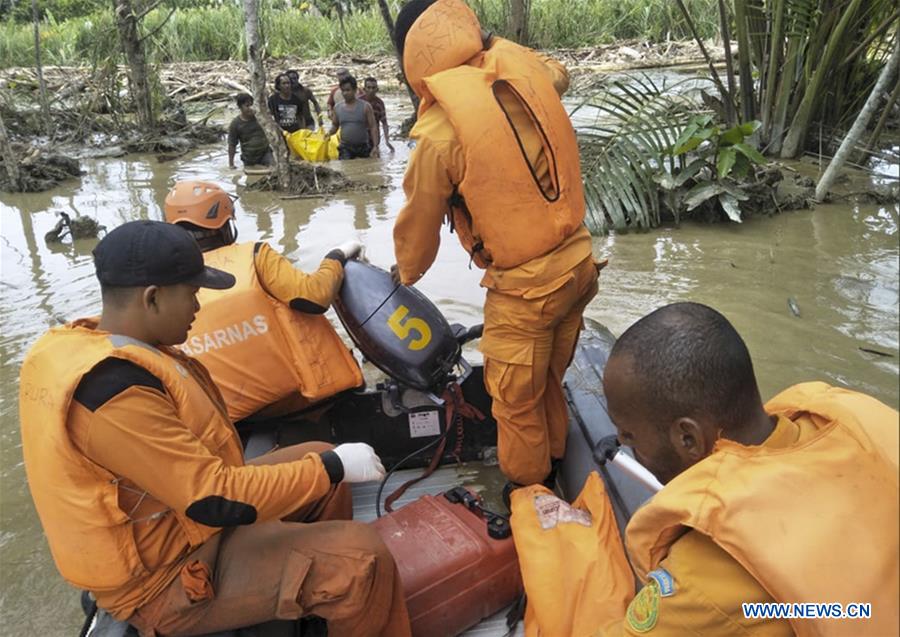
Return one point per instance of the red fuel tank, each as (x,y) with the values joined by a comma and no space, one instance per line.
(454,572)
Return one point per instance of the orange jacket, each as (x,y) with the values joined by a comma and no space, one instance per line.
(257,349)
(492,130)
(816,521)
(95,542)
(573,564)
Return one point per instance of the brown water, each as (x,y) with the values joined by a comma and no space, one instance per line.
(839,263)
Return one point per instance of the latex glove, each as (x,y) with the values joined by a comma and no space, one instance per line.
(361,464)
(350,248)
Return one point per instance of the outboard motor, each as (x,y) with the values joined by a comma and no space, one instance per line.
(397,328)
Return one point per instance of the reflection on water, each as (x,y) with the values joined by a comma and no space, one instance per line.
(839,264)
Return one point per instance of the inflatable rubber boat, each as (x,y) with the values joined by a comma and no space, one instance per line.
(413,417)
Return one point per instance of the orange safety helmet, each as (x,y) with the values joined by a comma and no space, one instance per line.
(203,205)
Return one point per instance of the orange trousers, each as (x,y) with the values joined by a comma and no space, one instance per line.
(313,562)
(529,340)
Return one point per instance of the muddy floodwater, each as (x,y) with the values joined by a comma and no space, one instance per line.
(837,267)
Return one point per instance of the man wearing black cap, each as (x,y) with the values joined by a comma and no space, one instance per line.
(139,479)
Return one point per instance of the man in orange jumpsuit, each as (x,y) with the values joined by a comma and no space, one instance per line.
(265,341)
(794,501)
(496,156)
(138,475)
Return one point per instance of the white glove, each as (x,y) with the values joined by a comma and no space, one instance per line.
(351,248)
(361,464)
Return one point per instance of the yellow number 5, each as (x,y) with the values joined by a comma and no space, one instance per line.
(401,326)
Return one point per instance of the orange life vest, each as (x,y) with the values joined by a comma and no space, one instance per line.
(816,522)
(90,537)
(257,349)
(504,217)
(573,564)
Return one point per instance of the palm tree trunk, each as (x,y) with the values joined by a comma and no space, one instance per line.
(796,135)
(774,63)
(138,75)
(745,54)
(723,92)
(258,87)
(389,25)
(38,67)
(730,115)
(859,126)
(783,98)
(518,20)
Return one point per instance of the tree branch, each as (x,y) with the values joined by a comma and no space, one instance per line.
(712,69)
(144,13)
(159,26)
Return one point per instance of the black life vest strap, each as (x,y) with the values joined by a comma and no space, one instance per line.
(458,202)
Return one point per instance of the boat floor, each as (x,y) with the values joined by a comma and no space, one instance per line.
(484,479)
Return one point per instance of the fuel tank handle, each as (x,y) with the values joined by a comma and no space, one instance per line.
(497,525)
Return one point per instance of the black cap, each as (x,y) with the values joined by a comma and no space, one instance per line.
(405,19)
(154,253)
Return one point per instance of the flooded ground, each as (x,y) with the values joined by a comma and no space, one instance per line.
(838,264)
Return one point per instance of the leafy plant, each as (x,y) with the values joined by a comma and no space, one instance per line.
(626,142)
(722,159)
(652,152)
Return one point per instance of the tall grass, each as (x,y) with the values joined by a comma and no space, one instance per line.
(216,33)
(576,23)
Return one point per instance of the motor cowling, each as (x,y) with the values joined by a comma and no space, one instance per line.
(396,327)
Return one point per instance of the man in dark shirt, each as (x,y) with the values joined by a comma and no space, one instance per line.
(306,96)
(247,132)
(371,96)
(287,108)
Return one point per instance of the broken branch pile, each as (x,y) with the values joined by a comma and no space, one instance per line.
(221,80)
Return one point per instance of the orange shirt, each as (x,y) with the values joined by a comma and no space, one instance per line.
(709,584)
(437,164)
(285,282)
(138,435)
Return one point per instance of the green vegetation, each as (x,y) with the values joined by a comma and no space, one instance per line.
(805,68)
(215,31)
(654,153)
(815,66)
(575,23)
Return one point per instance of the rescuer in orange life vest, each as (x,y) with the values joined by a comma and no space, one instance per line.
(138,475)
(264,341)
(794,501)
(496,156)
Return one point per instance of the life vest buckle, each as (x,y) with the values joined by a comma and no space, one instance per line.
(478,247)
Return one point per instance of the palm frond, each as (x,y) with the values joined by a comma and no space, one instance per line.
(628,144)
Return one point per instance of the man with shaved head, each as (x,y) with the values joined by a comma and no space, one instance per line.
(793,502)
(679,379)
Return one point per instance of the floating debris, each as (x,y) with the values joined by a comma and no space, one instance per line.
(79,227)
(869,350)
(793,306)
